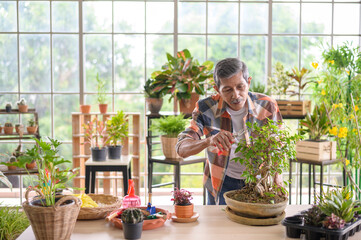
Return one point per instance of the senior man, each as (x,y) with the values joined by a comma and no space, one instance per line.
(221,118)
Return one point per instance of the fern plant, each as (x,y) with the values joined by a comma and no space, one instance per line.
(170,126)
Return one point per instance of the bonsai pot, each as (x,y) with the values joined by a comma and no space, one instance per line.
(23,108)
(114,152)
(32,130)
(132,230)
(185,211)
(85,108)
(187,106)
(168,146)
(8,109)
(154,105)
(103,108)
(8,130)
(99,154)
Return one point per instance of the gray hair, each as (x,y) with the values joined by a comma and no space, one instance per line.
(227,68)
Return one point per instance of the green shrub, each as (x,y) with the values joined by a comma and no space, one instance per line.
(13,222)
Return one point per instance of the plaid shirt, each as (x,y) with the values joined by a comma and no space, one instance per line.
(210,116)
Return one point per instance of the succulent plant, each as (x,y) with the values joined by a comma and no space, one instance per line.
(21,102)
(8,104)
(8,124)
(18,125)
(132,215)
(334,222)
(314,216)
(31,123)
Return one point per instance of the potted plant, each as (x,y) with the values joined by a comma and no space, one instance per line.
(183,207)
(117,130)
(13,222)
(132,222)
(32,127)
(170,127)
(316,125)
(51,216)
(184,78)
(8,107)
(19,128)
(153,98)
(264,156)
(23,107)
(8,128)
(95,137)
(85,108)
(101,95)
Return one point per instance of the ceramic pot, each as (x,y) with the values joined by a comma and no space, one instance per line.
(103,108)
(23,108)
(114,152)
(85,108)
(154,104)
(184,211)
(187,106)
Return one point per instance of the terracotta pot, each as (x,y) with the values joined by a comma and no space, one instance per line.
(168,146)
(154,104)
(85,108)
(187,106)
(23,108)
(103,108)
(19,128)
(1,128)
(32,130)
(12,167)
(31,165)
(8,130)
(184,211)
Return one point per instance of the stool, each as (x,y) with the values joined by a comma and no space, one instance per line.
(115,165)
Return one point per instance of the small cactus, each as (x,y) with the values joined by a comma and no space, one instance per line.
(314,216)
(334,222)
(18,125)
(8,124)
(21,102)
(132,215)
(8,104)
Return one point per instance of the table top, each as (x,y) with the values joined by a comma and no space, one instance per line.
(212,224)
(124,161)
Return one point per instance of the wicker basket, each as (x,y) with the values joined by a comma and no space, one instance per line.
(55,222)
(100,212)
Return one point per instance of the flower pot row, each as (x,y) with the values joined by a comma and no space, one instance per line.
(103,108)
(22,106)
(100,154)
(18,129)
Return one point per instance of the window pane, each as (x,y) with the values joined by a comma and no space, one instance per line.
(312,48)
(7,16)
(13,118)
(8,63)
(254,18)
(285,50)
(253,53)
(97,16)
(66,63)
(341,40)
(65,16)
(129,17)
(347,19)
(157,47)
(160,17)
(34,16)
(64,105)
(190,13)
(91,99)
(35,63)
(316,18)
(129,103)
(98,59)
(129,62)
(223,17)
(220,47)
(285,17)
(195,44)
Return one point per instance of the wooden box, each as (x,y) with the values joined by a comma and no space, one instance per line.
(317,151)
(294,108)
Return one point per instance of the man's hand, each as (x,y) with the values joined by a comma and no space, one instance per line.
(222,140)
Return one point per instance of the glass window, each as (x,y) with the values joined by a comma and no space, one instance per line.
(313,21)
(347,19)
(195,44)
(129,17)
(97,16)
(65,16)
(285,50)
(34,16)
(254,18)
(8,63)
(285,17)
(190,13)
(160,17)
(64,105)
(8,16)
(157,47)
(220,47)
(223,17)
(312,48)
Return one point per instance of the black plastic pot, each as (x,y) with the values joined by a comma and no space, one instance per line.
(42,202)
(114,152)
(8,109)
(99,154)
(132,230)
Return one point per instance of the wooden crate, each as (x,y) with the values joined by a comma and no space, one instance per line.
(294,108)
(317,151)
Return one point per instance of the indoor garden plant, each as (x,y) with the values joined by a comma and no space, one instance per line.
(132,222)
(117,130)
(154,99)
(101,95)
(183,208)
(8,107)
(23,107)
(265,155)
(8,128)
(95,137)
(51,216)
(32,127)
(184,78)
(13,222)
(170,127)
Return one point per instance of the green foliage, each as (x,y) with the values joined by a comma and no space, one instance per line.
(101,97)
(31,122)
(8,124)
(13,222)
(149,90)
(314,216)
(316,124)
(181,75)
(171,125)
(258,87)
(117,128)
(301,80)
(132,215)
(280,81)
(266,155)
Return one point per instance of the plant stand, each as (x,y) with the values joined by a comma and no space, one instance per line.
(294,108)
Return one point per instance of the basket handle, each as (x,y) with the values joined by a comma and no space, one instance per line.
(66,198)
(30,189)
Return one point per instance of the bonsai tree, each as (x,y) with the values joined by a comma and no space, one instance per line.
(266,155)
(316,124)
(117,130)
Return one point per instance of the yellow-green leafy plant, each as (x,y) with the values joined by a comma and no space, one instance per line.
(13,222)
(316,124)
(117,128)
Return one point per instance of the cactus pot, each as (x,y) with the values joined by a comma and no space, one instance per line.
(8,109)
(23,108)
(99,154)
(8,130)
(132,230)
(114,152)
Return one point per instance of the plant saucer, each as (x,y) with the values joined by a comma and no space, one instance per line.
(185,220)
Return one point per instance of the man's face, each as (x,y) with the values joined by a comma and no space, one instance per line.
(234,90)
